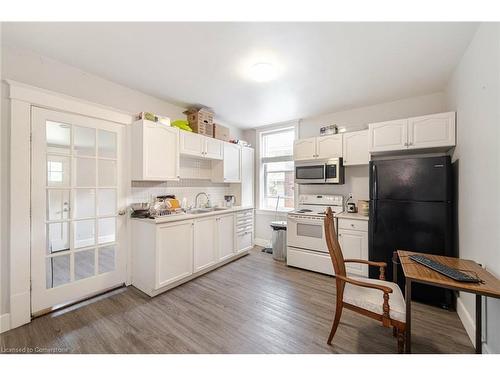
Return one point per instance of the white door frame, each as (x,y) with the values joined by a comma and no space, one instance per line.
(22,97)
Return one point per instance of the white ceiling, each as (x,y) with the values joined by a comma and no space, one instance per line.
(324,67)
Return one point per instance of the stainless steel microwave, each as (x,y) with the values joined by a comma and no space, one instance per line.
(330,171)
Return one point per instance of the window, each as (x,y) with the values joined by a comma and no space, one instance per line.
(276,166)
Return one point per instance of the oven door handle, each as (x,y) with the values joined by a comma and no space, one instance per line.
(297,220)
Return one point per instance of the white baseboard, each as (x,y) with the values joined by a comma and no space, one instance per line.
(4,322)
(262,242)
(467,321)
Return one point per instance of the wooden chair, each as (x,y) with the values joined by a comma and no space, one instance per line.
(378,299)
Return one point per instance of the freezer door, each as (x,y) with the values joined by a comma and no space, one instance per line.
(416,179)
(415,226)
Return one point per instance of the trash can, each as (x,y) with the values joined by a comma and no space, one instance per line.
(279,240)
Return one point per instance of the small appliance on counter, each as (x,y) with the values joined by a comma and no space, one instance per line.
(364,207)
(351,207)
(229,200)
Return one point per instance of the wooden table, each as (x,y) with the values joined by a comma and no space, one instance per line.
(417,273)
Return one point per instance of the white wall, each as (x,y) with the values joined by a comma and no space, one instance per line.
(36,70)
(356,177)
(474,92)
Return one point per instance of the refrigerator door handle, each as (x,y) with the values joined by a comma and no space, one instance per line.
(375,182)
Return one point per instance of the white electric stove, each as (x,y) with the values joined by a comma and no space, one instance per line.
(306,244)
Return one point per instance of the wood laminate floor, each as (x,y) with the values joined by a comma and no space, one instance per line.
(253,305)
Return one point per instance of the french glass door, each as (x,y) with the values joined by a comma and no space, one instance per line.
(77,245)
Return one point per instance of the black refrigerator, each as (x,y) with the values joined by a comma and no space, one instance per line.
(411,209)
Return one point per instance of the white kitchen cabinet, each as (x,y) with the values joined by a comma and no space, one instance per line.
(155,151)
(329,146)
(436,131)
(225,236)
(167,254)
(355,148)
(244,228)
(205,252)
(200,146)
(326,147)
(431,131)
(228,169)
(354,245)
(304,149)
(214,148)
(175,252)
(389,135)
(247,177)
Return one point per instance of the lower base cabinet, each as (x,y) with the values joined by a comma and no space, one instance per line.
(205,245)
(169,254)
(225,236)
(354,244)
(175,255)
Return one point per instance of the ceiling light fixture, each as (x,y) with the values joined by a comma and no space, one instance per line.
(263,72)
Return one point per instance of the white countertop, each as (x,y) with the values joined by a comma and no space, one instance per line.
(353,216)
(178,217)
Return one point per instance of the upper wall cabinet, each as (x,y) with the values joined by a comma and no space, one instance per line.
(229,169)
(155,152)
(389,135)
(432,131)
(326,147)
(355,148)
(200,146)
(423,132)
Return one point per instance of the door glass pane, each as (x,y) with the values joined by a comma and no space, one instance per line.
(107,173)
(84,264)
(57,204)
(57,237)
(57,271)
(58,170)
(106,258)
(107,229)
(106,202)
(84,141)
(84,233)
(84,205)
(107,144)
(84,172)
(58,137)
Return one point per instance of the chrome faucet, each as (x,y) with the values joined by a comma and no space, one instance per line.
(196,199)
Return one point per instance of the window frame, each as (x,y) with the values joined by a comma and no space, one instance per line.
(262,160)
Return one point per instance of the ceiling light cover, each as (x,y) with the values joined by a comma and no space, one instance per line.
(263,72)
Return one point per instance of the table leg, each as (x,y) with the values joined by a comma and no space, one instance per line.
(408,316)
(479,330)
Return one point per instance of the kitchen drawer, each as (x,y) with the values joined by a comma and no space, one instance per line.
(309,260)
(244,214)
(245,228)
(244,221)
(361,225)
(244,241)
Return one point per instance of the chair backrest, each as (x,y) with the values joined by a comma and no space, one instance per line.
(333,244)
